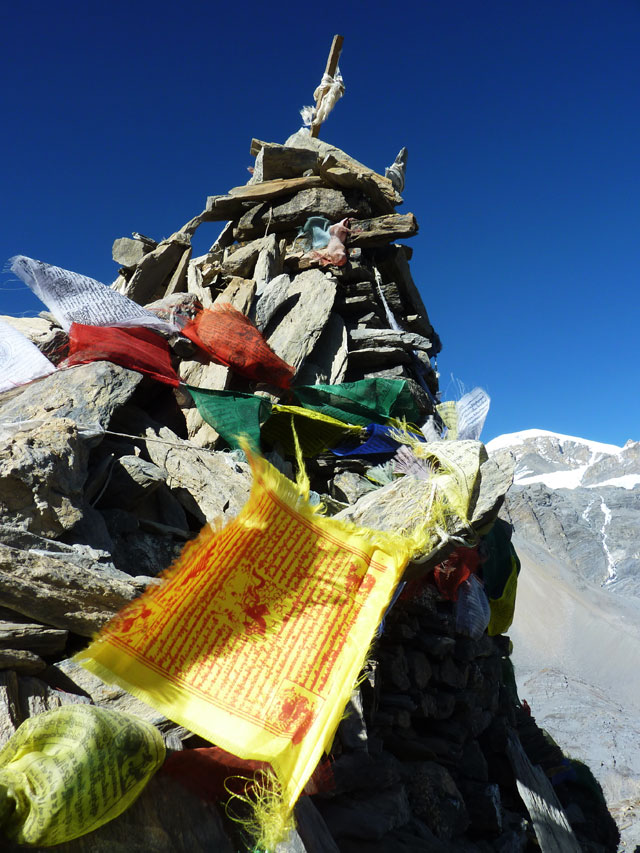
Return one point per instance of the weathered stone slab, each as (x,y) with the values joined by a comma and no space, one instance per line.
(292,214)
(275,188)
(332,158)
(393,263)
(42,472)
(382,230)
(57,592)
(241,260)
(216,378)
(327,363)
(209,484)
(129,252)
(367,358)
(235,202)
(269,263)
(16,632)
(22,661)
(131,479)
(281,161)
(10,715)
(239,292)
(368,338)
(297,333)
(88,394)
(178,281)
(270,298)
(154,271)
(43,332)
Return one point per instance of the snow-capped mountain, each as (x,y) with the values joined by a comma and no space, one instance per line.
(578,499)
(575,509)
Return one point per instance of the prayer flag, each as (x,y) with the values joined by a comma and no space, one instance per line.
(68,771)
(136,348)
(20,360)
(232,414)
(232,339)
(258,633)
(75,298)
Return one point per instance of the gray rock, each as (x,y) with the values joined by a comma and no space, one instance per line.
(208,484)
(16,632)
(368,338)
(10,714)
(128,252)
(393,264)
(214,377)
(21,661)
(36,697)
(153,273)
(312,829)
(42,472)
(56,592)
(327,362)
(368,358)
(298,331)
(44,332)
(131,479)
(269,263)
(368,817)
(88,394)
(241,260)
(270,297)
(292,214)
(435,798)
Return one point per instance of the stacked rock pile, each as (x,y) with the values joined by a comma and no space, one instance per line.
(105,474)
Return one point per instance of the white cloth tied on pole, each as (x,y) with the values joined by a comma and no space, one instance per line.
(20,360)
(326,95)
(75,298)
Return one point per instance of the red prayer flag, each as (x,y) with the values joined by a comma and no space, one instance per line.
(136,348)
(232,339)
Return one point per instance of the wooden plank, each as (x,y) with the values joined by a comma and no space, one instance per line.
(330,70)
(549,820)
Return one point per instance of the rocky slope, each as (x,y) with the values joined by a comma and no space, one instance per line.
(575,507)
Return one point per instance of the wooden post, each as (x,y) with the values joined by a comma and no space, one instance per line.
(330,70)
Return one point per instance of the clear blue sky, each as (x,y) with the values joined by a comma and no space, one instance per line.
(522,122)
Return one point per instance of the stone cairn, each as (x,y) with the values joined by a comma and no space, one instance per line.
(110,473)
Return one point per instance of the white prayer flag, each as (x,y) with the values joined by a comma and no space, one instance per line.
(75,298)
(20,360)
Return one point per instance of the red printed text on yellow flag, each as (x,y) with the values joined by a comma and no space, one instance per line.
(257,634)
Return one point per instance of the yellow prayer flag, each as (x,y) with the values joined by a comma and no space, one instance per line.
(259,631)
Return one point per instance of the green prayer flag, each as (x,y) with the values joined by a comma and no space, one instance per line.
(316,431)
(363,402)
(232,414)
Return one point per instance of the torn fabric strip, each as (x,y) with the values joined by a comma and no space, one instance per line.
(75,298)
(257,635)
